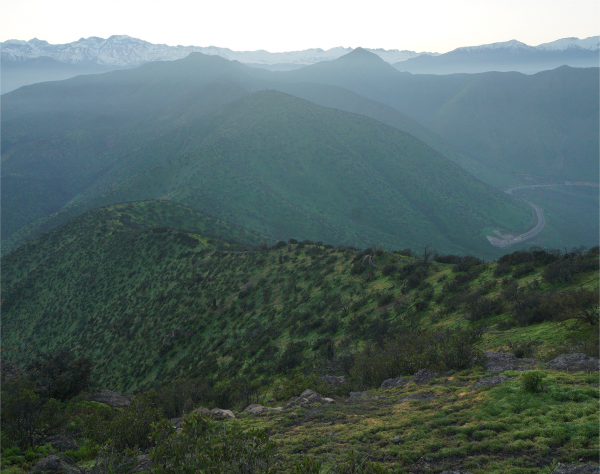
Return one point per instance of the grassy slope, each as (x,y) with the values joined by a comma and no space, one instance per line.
(285,167)
(152,304)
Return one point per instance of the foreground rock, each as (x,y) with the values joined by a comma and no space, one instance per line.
(54,464)
(582,469)
(215,412)
(389,383)
(499,362)
(333,379)
(110,398)
(574,363)
(308,397)
(256,409)
(489,381)
(423,376)
(63,443)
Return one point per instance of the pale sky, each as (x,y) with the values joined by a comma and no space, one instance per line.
(286,25)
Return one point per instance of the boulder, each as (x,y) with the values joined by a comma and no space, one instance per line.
(176,422)
(143,464)
(488,381)
(110,398)
(307,397)
(256,409)
(52,464)
(333,379)
(581,469)
(498,362)
(396,440)
(423,376)
(456,472)
(425,396)
(215,412)
(389,383)
(63,443)
(574,363)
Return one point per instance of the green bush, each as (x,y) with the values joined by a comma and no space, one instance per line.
(532,382)
(208,446)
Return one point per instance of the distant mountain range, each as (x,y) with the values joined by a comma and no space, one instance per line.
(507,56)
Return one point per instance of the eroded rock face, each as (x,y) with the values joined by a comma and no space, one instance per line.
(63,443)
(498,362)
(581,469)
(488,381)
(389,383)
(110,398)
(334,379)
(55,464)
(423,376)
(574,363)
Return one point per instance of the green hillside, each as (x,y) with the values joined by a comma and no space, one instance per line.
(204,321)
(283,166)
(544,124)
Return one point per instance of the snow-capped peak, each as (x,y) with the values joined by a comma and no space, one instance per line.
(512,45)
(592,44)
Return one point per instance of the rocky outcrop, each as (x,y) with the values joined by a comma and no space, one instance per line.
(63,443)
(581,469)
(334,379)
(389,383)
(215,412)
(498,362)
(110,398)
(256,409)
(574,363)
(489,381)
(143,464)
(423,376)
(55,464)
(308,397)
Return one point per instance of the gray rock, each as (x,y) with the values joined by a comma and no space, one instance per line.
(110,398)
(333,379)
(498,362)
(307,397)
(581,469)
(425,396)
(488,381)
(55,464)
(359,395)
(574,363)
(256,409)
(423,376)
(389,383)
(215,412)
(143,464)
(396,440)
(176,422)
(456,472)
(63,443)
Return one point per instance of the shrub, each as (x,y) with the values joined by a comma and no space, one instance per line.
(531,381)
(389,269)
(501,269)
(208,446)
(522,271)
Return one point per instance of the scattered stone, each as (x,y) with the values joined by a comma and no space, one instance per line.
(396,440)
(294,414)
(489,381)
(456,472)
(499,362)
(574,363)
(328,400)
(215,412)
(389,383)
(425,396)
(256,409)
(52,464)
(581,469)
(423,376)
(63,443)
(333,379)
(110,398)
(307,397)
(143,464)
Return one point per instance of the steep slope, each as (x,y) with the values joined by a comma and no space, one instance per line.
(544,125)
(68,141)
(284,167)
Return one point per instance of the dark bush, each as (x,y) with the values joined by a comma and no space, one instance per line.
(389,269)
(466,263)
(483,307)
(523,270)
(535,255)
(501,269)
(531,381)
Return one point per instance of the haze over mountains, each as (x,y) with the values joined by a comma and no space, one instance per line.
(28,62)
(150,132)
